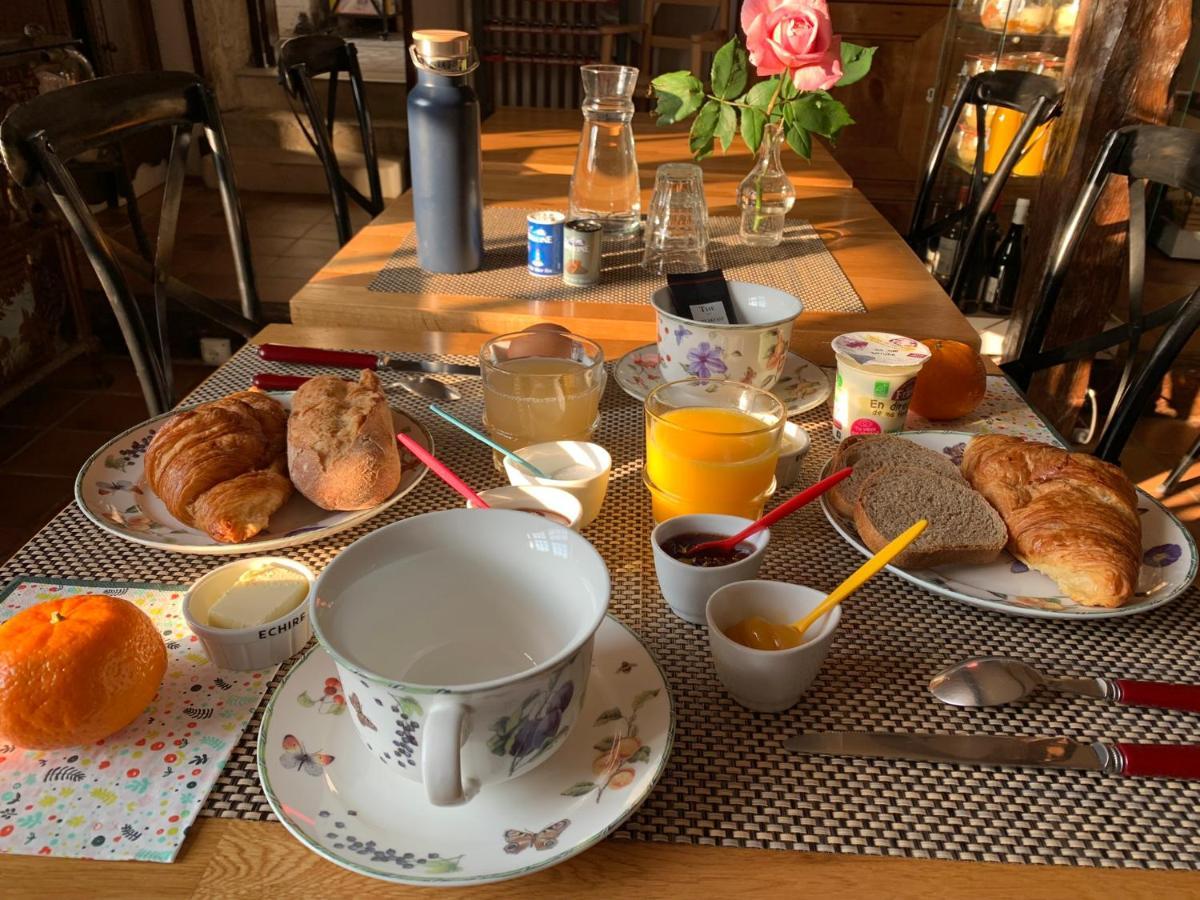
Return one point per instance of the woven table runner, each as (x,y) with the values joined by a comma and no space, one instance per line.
(728,782)
(801,265)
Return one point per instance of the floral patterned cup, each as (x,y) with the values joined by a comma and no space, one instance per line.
(752,352)
(463,642)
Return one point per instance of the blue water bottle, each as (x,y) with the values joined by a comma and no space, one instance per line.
(444,148)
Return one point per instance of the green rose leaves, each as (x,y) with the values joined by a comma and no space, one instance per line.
(728,108)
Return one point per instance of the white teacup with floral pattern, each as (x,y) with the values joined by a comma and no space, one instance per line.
(463,642)
(752,352)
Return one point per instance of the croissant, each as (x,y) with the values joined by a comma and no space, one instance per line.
(1069,515)
(221,466)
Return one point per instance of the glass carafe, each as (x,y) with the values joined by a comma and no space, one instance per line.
(605,185)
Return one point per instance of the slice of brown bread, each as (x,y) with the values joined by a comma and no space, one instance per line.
(963,528)
(871,453)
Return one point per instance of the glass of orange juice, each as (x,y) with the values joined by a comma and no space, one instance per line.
(541,386)
(711,447)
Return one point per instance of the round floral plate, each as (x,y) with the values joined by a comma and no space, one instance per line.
(339,800)
(802,386)
(111,490)
(1009,586)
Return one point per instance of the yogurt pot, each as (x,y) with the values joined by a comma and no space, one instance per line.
(876,374)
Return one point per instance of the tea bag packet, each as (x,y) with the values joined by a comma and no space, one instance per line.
(702,297)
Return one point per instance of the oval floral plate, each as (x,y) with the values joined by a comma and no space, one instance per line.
(340,801)
(1008,586)
(112,491)
(801,387)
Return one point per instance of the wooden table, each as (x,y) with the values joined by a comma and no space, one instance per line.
(528,157)
(225,858)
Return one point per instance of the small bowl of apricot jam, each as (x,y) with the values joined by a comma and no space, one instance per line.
(552,504)
(688,579)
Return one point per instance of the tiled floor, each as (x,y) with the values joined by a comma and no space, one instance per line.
(47,434)
(291,237)
(1156,446)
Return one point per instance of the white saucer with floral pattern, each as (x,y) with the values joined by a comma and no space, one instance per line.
(111,490)
(801,387)
(340,801)
(1009,586)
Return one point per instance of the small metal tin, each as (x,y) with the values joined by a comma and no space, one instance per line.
(544,237)
(581,252)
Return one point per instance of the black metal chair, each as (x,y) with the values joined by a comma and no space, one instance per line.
(1038,98)
(1143,155)
(300,60)
(37,138)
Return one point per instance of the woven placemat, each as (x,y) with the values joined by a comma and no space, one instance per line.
(801,265)
(728,782)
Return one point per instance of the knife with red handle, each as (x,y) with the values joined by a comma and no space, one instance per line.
(1180,761)
(344,359)
(267,382)
(426,388)
(1157,760)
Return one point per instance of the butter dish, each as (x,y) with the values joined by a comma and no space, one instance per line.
(256,646)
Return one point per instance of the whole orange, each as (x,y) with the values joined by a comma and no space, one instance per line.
(76,670)
(951,383)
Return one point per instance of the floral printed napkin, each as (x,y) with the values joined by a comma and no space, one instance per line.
(1002,411)
(134,794)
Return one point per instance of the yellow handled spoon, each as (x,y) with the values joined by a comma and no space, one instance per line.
(759,634)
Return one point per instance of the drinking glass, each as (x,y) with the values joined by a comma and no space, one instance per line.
(541,386)
(711,447)
(676,232)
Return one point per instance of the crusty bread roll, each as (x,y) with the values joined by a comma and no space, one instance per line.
(1069,515)
(341,443)
(219,466)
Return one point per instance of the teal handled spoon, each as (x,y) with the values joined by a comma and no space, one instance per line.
(479,436)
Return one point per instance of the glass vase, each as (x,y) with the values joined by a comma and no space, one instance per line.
(766,194)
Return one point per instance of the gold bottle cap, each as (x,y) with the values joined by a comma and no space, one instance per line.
(436,45)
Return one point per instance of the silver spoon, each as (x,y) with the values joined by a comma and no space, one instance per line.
(997,680)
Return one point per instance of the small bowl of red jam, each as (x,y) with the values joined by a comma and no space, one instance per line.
(552,504)
(689,549)
(687,579)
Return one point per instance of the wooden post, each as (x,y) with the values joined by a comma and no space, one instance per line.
(1119,71)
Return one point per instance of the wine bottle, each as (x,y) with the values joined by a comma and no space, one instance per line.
(950,239)
(978,266)
(930,251)
(1005,270)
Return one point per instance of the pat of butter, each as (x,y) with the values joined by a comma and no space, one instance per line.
(263,594)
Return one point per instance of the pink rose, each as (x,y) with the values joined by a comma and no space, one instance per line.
(796,35)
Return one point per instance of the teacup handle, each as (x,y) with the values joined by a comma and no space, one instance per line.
(441,761)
